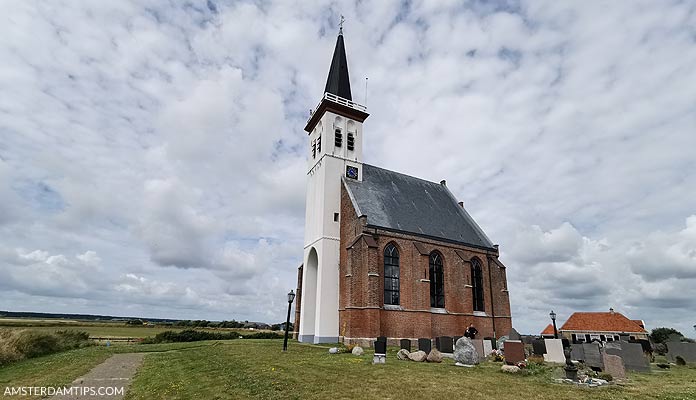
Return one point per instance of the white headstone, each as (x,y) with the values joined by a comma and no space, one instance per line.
(487,348)
(554,351)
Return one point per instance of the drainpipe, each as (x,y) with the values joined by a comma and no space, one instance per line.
(490,288)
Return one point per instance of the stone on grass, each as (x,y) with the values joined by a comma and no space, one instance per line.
(417,356)
(333,350)
(357,351)
(510,369)
(402,354)
(465,352)
(435,356)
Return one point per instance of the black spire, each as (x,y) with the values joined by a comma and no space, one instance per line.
(338,82)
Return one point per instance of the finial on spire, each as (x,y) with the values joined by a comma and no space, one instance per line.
(340,25)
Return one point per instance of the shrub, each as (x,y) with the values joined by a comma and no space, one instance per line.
(264,335)
(19,344)
(190,335)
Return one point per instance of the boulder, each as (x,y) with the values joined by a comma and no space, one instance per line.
(435,356)
(417,356)
(510,369)
(402,354)
(333,350)
(465,352)
(357,351)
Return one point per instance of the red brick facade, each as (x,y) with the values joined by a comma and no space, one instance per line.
(362,313)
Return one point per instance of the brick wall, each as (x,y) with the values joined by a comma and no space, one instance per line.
(362,314)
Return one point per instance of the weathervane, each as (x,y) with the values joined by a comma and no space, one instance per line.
(340,25)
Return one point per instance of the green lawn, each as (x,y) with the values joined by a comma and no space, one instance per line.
(242,369)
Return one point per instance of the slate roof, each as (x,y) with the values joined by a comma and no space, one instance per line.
(338,82)
(601,322)
(402,203)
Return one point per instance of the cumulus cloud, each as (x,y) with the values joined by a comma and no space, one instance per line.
(162,146)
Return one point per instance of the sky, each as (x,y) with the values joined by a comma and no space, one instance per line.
(153,158)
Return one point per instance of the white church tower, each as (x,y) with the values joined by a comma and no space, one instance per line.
(335,150)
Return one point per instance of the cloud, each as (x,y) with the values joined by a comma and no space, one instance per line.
(162,146)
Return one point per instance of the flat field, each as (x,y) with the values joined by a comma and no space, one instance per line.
(244,369)
(100,329)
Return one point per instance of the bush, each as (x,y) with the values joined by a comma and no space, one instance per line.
(190,335)
(20,344)
(264,335)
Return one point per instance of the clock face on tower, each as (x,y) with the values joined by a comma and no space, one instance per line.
(352,172)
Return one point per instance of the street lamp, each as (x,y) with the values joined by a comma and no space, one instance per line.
(553,318)
(291,297)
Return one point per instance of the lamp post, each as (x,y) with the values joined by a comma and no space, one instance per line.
(553,319)
(291,297)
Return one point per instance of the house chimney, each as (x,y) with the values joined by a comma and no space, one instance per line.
(611,310)
(443,182)
(461,204)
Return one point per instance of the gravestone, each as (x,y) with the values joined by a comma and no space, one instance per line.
(380,347)
(514,351)
(577,353)
(444,344)
(593,356)
(382,339)
(632,355)
(514,335)
(455,338)
(499,343)
(425,345)
(405,344)
(478,345)
(539,347)
(687,351)
(554,351)
(612,345)
(487,348)
(614,366)
(402,354)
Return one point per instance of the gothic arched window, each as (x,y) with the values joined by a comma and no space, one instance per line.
(391,275)
(477,284)
(437,284)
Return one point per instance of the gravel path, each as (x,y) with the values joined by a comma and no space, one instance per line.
(113,376)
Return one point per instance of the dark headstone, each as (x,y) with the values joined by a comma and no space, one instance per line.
(514,351)
(593,356)
(405,344)
(687,351)
(577,353)
(425,345)
(566,343)
(455,338)
(645,344)
(539,347)
(444,344)
(382,339)
(632,355)
(514,335)
(380,347)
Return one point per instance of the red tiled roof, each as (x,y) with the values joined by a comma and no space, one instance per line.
(639,322)
(548,330)
(601,322)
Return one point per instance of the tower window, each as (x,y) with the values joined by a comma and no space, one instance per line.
(319,144)
(351,141)
(314,149)
(338,138)
(391,275)
(437,285)
(335,217)
(477,284)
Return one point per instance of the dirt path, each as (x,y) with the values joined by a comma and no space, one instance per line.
(112,377)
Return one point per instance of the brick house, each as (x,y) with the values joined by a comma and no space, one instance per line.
(386,254)
(585,327)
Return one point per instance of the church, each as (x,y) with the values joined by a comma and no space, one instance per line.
(386,254)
